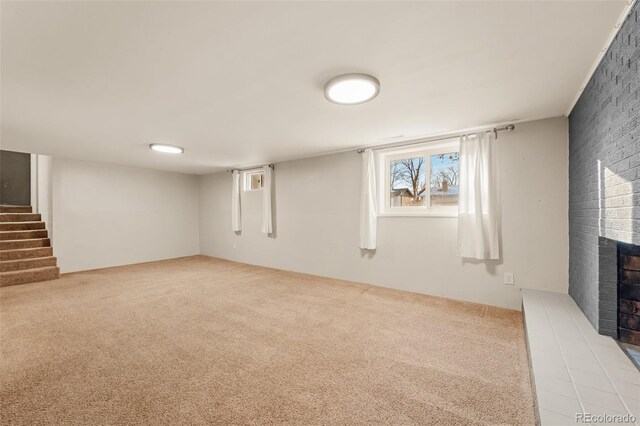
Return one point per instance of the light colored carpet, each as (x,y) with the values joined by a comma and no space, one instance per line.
(205,341)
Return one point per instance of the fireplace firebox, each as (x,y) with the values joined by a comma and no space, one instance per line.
(629,293)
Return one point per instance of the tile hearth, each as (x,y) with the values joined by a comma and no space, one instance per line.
(575,370)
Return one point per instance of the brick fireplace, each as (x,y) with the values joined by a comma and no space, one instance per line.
(604,188)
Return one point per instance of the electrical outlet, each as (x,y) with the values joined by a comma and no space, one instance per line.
(508,278)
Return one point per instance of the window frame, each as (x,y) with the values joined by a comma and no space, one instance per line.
(246,177)
(426,149)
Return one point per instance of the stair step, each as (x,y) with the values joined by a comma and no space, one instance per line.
(21,264)
(20,217)
(23,235)
(27,253)
(21,226)
(26,243)
(15,209)
(29,276)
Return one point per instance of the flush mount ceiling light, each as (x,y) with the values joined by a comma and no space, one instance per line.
(167,149)
(352,89)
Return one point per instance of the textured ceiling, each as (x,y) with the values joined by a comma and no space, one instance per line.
(241,83)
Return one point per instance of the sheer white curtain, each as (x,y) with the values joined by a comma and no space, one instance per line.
(478,209)
(267,217)
(368,202)
(236,220)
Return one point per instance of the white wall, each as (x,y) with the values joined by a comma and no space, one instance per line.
(41,188)
(317,202)
(106,215)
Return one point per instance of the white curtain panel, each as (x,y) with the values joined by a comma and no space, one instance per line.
(267,217)
(368,202)
(478,208)
(236,221)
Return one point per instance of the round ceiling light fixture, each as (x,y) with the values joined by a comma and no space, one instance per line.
(167,149)
(352,89)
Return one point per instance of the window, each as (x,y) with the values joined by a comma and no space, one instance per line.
(420,180)
(444,179)
(407,182)
(253,180)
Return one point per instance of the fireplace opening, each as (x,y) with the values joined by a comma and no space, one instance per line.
(629,299)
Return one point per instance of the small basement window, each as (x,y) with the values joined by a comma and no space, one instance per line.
(253,180)
(420,180)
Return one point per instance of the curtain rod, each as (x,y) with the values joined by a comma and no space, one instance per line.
(495,130)
(249,168)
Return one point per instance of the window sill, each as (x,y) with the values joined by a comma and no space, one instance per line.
(420,214)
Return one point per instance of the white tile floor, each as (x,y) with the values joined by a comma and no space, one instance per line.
(575,369)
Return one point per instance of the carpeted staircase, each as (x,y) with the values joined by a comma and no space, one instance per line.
(26,255)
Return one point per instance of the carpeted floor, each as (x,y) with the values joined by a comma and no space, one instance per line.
(205,341)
